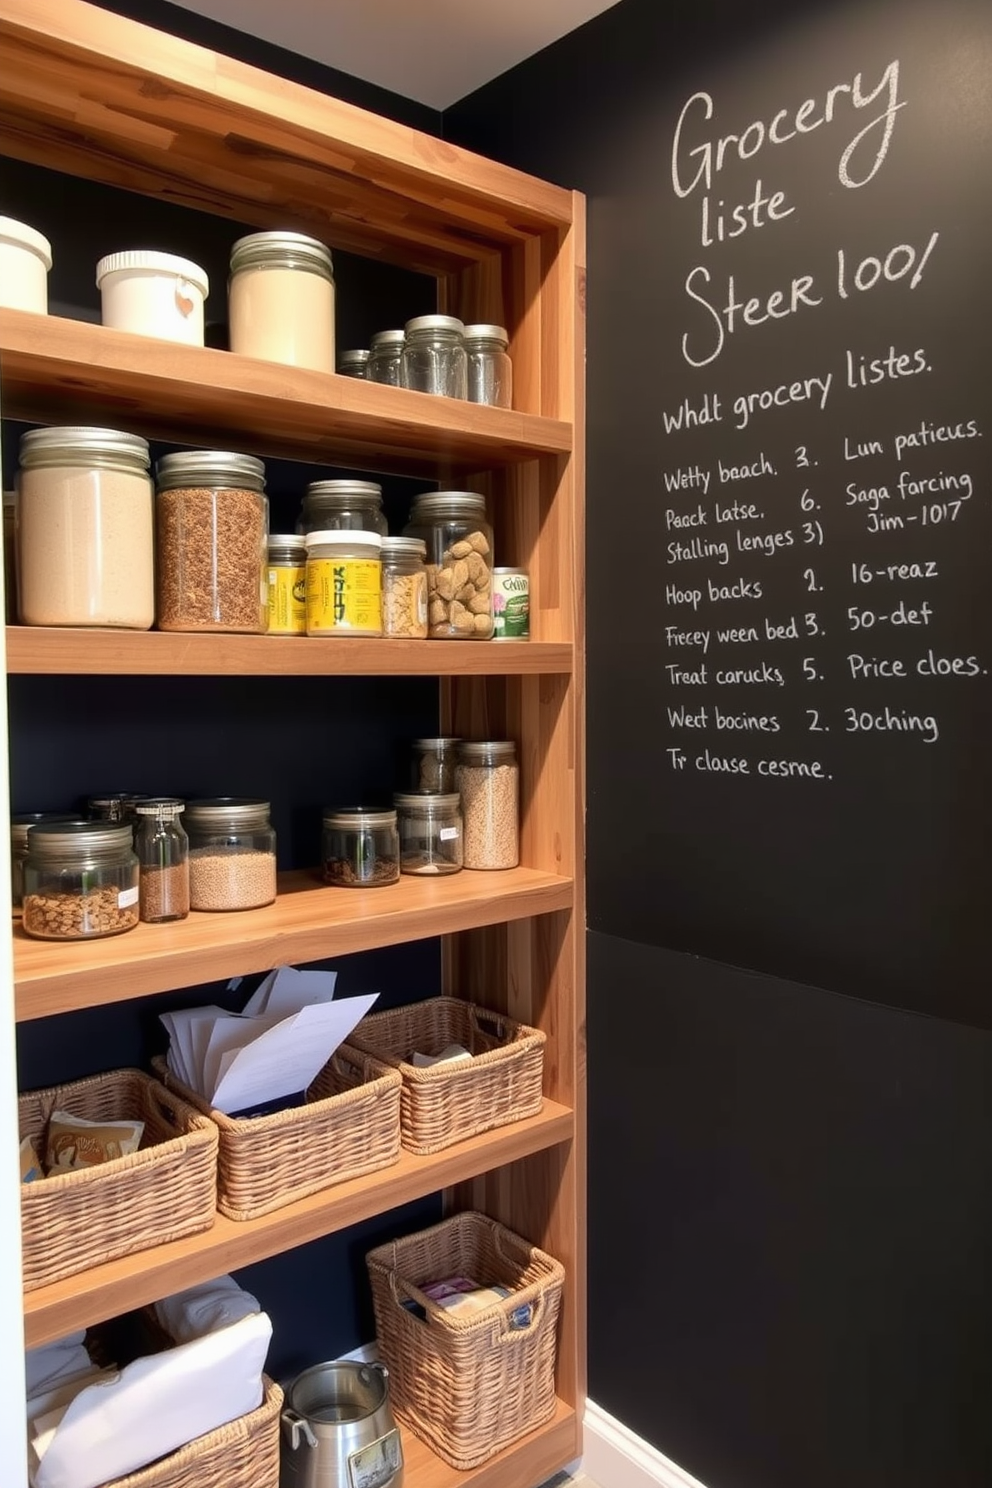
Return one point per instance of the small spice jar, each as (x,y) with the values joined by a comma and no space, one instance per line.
(434,358)
(344,584)
(232,853)
(80,880)
(287,572)
(355,363)
(360,847)
(343,505)
(404,588)
(386,358)
(163,860)
(430,828)
(211,523)
(85,529)
(281,300)
(433,764)
(490,371)
(488,781)
(459,563)
(19,826)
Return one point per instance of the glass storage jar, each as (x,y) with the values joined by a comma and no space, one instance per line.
(287,571)
(355,363)
(430,828)
(232,853)
(488,781)
(120,807)
(212,527)
(459,563)
(386,358)
(434,356)
(433,764)
(404,588)
(490,371)
(19,846)
(281,300)
(85,529)
(360,847)
(80,880)
(346,505)
(344,584)
(163,861)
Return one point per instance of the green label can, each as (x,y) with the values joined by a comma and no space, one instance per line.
(511,604)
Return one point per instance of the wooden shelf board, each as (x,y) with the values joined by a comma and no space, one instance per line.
(70,371)
(36,650)
(132,1281)
(309,921)
(528,1462)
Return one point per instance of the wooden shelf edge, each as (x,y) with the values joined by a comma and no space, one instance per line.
(104,1291)
(530,1461)
(309,921)
(37,651)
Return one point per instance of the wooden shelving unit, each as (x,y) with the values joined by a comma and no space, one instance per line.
(89,93)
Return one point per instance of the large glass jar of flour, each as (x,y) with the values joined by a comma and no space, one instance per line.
(281,300)
(84,529)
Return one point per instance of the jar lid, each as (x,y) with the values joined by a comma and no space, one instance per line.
(342,492)
(458,503)
(20,824)
(385,339)
(221,809)
(487,333)
(422,324)
(297,250)
(114,807)
(51,838)
(160,806)
(508,572)
(50,446)
(487,751)
(426,801)
(148,260)
(358,818)
(285,545)
(447,741)
(211,468)
(404,547)
(356,356)
(343,537)
(20,235)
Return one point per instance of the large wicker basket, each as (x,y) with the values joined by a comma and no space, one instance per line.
(349,1125)
(446,1103)
(468,1386)
(164,1190)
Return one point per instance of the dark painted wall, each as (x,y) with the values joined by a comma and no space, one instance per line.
(789,1204)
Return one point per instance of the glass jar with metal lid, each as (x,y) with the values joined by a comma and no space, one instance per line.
(404,588)
(344,584)
(85,529)
(281,300)
(212,526)
(488,781)
(80,880)
(433,763)
(232,853)
(430,828)
(119,807)
(459,542)
(354,505)
(287,573)
(386,358)
(360,847)
(355,363)
(19,826)
(163,860)
(490,371)
(434,356)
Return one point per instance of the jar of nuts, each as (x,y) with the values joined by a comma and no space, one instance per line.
(80,880)
(459,563)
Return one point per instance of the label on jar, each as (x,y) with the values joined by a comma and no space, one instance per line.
(344,595)
(446,833)
(511,606)
(127,897)
(287,600)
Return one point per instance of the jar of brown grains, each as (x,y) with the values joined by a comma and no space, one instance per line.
(488,782)
(80,880)
(163,860)
(212,526)
(459,563)
(232,853)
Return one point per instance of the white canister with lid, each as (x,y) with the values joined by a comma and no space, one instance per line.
(25,259)
(281,300)
(153,294)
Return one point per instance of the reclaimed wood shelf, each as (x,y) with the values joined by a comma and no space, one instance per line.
(529,1461)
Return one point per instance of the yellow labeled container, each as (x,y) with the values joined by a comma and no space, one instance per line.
(287,578)
(344,583)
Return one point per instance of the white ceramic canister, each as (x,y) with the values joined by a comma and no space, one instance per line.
(281,300)
(25,259)
(153,294)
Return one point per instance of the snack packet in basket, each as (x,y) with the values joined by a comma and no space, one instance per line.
(74,1142)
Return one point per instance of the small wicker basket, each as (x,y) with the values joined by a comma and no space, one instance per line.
(446,1103)
(165,1190)
(468,1386)
(350,1125)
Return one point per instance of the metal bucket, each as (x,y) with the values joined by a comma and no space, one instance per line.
(339,1430)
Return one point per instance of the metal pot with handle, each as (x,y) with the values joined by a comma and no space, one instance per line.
(339,1430)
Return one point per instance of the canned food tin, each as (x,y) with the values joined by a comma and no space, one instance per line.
(511,604)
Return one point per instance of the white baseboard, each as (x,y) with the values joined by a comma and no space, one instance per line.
(613,1457)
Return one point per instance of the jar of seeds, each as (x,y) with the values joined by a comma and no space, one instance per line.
(361,848)
(488,781)
(430,828)
(212,525)
(433,763)
(459,563)
(404,588)
(163,861)
(80,880)
(232,853)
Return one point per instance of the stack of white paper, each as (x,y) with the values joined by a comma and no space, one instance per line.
(288,1031)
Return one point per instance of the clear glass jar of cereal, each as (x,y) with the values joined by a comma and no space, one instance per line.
(404,588)
(80,880)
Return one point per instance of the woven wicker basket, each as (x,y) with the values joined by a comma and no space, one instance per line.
(467,1386)
(446,1103)
(350,1125)
(164,1190)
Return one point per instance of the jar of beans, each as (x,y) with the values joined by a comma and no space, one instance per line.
(80,880)
(459,563)
(488,781)
(361,848)
(232,853)
(212,525)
